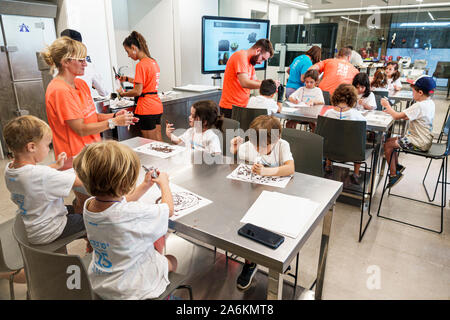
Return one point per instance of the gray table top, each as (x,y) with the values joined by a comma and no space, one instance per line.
(218,223)
(405,95)
(180,95)
(376,120)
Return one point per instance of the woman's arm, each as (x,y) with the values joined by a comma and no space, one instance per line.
(135,92)
(85,129)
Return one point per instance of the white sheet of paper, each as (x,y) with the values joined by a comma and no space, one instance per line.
(289,109)
(243,173)
(281,213)
(185,202)
(196,88)
(160,149)
(293,105)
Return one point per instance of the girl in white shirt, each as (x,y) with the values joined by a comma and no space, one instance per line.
(366,99)
(344,101)
(122,230)
(393,77)
(200,136)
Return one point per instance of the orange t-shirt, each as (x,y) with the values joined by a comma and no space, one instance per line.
(232,92)
(66,103)
(335,72)
(147,73)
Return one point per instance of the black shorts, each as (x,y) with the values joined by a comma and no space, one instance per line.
(148,121)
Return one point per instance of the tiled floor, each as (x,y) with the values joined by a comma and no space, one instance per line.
(410,263)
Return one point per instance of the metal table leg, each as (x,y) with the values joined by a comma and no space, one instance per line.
(323,252)
(275,285)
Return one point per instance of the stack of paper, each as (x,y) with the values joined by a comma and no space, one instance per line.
(196,88)
(281,213)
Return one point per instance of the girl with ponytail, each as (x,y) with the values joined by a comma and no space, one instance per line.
(149,107)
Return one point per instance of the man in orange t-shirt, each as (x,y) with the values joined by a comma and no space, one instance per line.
(336,71)
(239,77)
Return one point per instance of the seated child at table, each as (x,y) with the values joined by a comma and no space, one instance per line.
(393,77)
(310,94)
(366,99)
(379,81)
(344,101)
(39,190)
(200,136)
(419,135)
(265,99)
(270,156)
(121,229)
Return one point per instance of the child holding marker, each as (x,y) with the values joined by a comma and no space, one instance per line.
(366,98)
(39,190)
(270,156)
(203,118)
(122,230)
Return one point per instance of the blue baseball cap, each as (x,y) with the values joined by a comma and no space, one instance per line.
(425,83)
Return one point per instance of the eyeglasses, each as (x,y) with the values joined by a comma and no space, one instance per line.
(79,60)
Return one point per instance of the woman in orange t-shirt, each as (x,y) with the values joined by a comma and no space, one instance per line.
(70,109)
(149,107)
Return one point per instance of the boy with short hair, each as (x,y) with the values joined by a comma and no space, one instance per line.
(265,99)
(39,190)
(419,135)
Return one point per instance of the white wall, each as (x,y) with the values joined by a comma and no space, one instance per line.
(189,32)
(89,18)
(154,20)
(121,31)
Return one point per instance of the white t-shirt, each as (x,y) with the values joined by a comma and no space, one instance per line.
(261,102)
(370,100)
(351,114)
(420,131)
(38,191)
(305,95)
(281,152)
(125,264)
(356,59)
(93,78)
(390,84)
(207,141)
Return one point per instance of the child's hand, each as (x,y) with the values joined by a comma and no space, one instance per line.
(236,141)
(294,100)
(385,103)
(169,129)
(162,180)
(310,103)
(62,157)
(258,168)
(148,180)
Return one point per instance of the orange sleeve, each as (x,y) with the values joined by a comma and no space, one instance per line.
(241,65)
(321,65)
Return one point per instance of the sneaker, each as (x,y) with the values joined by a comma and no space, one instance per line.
(355,178)
(245,278)
(393,180)
(400,168)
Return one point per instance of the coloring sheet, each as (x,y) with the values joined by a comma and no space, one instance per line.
(184,201)
(293,105)
(160,149)
(244,173)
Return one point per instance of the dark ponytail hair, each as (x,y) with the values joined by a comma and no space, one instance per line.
(362,79)
(396,74)
(208,113)
(135,38)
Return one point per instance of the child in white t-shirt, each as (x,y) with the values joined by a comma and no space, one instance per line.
(122,230)
(366,99)
(200,136)
(39,190)
(419,135)
(310,94)
(393,77)
(344,101)
(270,156)
(265,99)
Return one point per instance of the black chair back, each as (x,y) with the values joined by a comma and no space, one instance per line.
(344,140)
(378,98)
(307,151)
(326,98)
(246,115)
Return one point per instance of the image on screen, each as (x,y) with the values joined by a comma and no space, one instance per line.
(221,37)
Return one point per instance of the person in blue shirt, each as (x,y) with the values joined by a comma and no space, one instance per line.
(298,68)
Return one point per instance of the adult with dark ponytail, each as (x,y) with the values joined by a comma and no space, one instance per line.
(149,107)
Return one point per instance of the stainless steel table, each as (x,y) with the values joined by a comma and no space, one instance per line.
(217,223)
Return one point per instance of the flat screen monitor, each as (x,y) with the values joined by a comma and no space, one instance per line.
(223,36)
